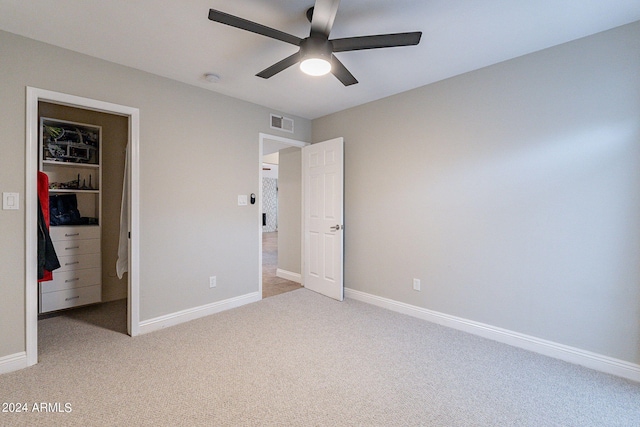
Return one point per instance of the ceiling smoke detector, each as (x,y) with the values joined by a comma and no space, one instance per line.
(212,78)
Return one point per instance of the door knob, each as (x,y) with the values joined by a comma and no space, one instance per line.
(336,227)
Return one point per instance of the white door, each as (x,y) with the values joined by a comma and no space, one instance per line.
(323,177)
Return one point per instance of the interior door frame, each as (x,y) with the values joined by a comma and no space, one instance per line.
(262,137)
(34,95)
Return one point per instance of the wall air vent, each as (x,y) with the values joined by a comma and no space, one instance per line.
(281,123)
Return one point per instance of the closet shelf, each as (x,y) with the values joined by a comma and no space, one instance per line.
(71,164)
(71,190)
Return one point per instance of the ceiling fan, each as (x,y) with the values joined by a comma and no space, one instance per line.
(316,53)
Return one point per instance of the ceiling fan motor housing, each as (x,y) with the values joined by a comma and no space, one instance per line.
(316,47)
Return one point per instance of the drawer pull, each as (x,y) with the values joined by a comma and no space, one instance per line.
(72,280)
(71,263)
(71,235)
(70,298)
(72,247)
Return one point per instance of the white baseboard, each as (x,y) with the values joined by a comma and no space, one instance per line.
(284,274)
(569,354)
(173,319)
(13,362)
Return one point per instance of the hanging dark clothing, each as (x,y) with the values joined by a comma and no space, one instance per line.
(47,258)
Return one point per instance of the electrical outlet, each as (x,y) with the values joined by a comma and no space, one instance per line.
(213,282)
(416,284)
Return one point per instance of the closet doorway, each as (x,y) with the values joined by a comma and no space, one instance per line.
(114,131)
(54,103)
(280,209)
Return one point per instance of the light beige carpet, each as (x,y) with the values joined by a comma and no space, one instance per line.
(301,359)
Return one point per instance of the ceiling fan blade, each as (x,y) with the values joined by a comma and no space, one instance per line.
(341,72)
(280,66)
(234,21)
(324,13)
(376,42)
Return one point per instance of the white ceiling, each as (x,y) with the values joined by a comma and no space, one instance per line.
(174,39)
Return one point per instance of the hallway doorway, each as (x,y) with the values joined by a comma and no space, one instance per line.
(280,210)
(272,284)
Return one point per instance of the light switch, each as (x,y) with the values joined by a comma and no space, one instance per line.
(10,201)
(242,200)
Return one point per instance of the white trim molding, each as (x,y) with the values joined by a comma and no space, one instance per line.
(287,141)
(187,315)
(13,362)
(563,352)
(284,274)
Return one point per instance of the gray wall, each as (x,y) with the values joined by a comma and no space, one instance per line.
(290,210)
(198,151)
(512,192)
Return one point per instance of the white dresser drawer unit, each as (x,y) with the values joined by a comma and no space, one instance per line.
(78,281)
(67,298)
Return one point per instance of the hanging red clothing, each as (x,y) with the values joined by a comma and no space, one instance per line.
(43,196)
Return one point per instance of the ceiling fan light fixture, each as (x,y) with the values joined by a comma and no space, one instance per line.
(316,56)
(315,66)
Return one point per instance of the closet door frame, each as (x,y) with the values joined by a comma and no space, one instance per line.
(34,95)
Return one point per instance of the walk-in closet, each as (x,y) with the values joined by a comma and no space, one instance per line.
(81,167)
